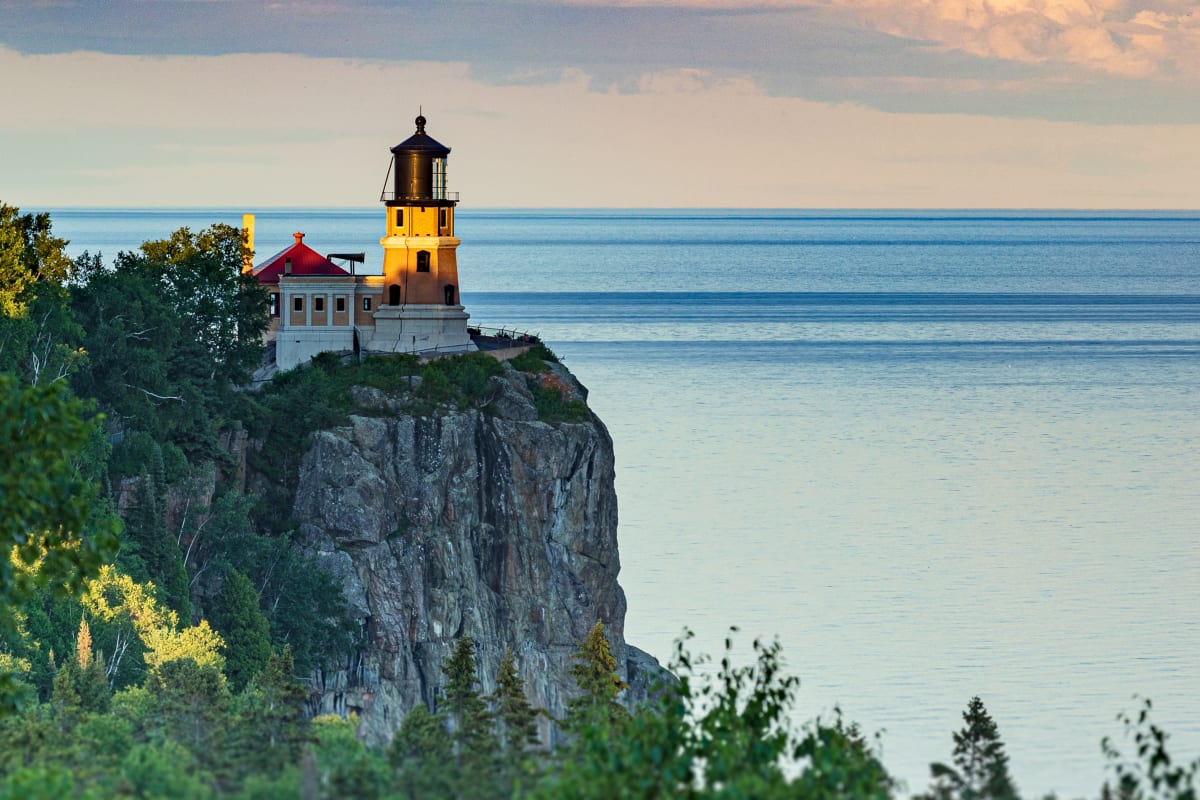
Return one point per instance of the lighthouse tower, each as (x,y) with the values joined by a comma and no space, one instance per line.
(420,309)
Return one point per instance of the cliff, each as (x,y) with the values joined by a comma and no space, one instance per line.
(480,522)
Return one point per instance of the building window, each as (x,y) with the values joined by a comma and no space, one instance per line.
(274,304)
(423,261)
(339,305)
(366,304)
(442,217)
(449,291)
(394,294)
(399,217)
(318,304)
(297,303)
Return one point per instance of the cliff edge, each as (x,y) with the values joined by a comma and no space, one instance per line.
(482,522)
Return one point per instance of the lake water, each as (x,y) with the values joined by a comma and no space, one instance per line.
(937,454)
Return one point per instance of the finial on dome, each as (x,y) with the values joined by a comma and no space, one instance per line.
(420,120)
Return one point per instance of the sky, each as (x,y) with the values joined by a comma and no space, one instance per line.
(605,103)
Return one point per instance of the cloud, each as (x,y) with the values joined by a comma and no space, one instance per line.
(1103,61)
(255,130)
(1117,37)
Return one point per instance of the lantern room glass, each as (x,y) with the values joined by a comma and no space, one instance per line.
(439,179)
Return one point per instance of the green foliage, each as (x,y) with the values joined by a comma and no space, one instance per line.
(345,766)
(271,728)
(236,616)
(726,736)
(51,534)
(41,783)
(128,613)
(464,705)
(474,742)
(980,764)
(161,770)
(595,672)
(159,560)
(170,332)
(534,359)
(417,752)
(193,700)
(30,255)
(1151,775)
(515,718)
(461,379)
(839,763)
(552,407)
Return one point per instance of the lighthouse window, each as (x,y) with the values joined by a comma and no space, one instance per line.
(318,304)
(439,179)
(423,261)
(297,304)
(399,217)
(442,217)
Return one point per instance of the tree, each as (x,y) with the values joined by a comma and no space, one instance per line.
(475,746)
(516,724)
(157,550)
(51,533)
(595,674)
(236,616)
(517,720)
(840,763)
(271,722)
(1153,775)
(980,769)
(133,615)
(465,705)
(347,768)
(223,310)
(80,684)
(418,754)
(170,332)
(194,701)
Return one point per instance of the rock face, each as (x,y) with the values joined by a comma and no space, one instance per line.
(485,523)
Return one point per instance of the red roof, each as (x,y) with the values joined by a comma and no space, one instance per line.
(305,261)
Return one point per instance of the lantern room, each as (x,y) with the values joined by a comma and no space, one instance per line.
(418,171)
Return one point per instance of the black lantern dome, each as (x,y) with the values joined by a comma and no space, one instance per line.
(419,169)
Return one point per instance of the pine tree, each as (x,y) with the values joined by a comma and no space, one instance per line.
(91,682)
(980,769)
(271,726)
(464,703)
(247,634)
(475,746)
(517,719)
(595,672)
(83,644)
(418,754)
(145,527)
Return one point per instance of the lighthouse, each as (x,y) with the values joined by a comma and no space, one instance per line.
(318,306)
(420,308)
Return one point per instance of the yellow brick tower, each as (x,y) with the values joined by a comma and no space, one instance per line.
(421,309)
